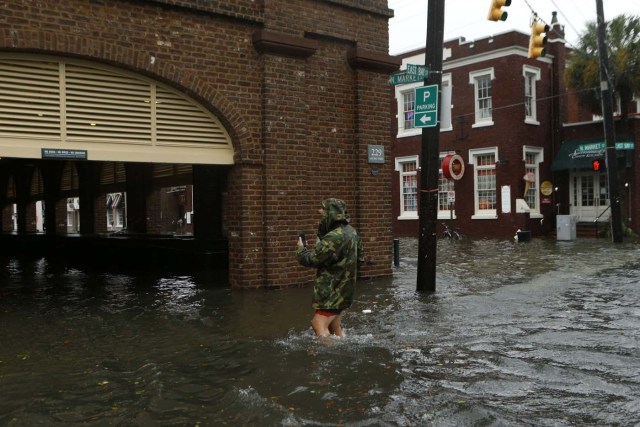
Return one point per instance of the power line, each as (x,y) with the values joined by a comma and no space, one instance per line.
(519,104)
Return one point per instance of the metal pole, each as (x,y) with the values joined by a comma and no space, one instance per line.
(609,131)
(430,157)
(396,252)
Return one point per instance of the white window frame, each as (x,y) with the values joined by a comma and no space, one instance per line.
(617,108)
(534,168)
(474,154)
(446,101)
(401,90)
(120,218)
(14,216)
(398,165)
(531,75)
(445,213)
(110,222)
(474,78)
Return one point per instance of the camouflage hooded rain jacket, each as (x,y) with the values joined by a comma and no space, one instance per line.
(336,257)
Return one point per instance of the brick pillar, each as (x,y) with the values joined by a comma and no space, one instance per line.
(373,127)
(244,219)
(22,179)
(87,191)
(30,217)
(208,184)
(100,213)
(51,174)
(138,189)
(7,223)
(273,192)
(61,216)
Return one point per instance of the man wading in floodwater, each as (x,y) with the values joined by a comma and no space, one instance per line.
(335,255)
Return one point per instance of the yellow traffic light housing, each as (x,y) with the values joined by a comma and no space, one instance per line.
(538,39)
(495,11)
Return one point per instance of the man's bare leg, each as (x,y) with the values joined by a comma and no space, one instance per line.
(335,326)
(320,324)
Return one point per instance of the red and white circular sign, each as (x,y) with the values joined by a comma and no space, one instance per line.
(453,166)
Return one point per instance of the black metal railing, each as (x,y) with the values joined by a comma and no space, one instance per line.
(595,222)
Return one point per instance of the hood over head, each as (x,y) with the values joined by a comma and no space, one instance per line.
(335,213)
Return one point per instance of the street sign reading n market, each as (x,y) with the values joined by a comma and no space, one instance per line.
(426,109)
(413,74)
(404,78)
(600,146)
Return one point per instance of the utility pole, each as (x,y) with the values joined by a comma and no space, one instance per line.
(430,156)
(609,130)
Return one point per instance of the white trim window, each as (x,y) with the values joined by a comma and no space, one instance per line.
(617,108)
(446,186)
(531,76)
(406,103)
(533,156)
(484,182)
(407,168)
(408,109)
(446,106)
(482,82)
(14,217)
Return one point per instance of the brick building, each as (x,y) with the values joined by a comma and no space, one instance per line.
(263,107)
(514,126)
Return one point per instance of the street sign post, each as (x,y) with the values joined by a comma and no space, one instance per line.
(426,108)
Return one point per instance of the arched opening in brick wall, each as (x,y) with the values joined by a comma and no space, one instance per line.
(108,152)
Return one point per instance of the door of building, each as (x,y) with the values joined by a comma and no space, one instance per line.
(589,196)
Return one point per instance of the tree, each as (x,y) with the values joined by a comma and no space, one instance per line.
(583,74)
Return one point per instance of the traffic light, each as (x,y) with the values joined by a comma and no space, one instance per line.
(597,165)
(495,11)
(538,40)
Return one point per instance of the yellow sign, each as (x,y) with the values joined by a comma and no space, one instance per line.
(546,188)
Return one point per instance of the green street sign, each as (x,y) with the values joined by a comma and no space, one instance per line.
(404,78)
(426,109)
(601,146)
(418,70)
(413,74)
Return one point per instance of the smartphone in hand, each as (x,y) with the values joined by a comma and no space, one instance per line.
(303,238)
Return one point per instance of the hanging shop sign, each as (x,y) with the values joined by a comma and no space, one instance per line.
(546,188)
(453,166)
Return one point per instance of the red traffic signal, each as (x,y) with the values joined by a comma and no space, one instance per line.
(597,165)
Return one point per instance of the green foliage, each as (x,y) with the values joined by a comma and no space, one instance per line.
(583,71)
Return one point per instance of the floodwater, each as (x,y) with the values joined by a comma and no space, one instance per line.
(542,333)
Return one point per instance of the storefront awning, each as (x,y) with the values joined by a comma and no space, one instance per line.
(580,154)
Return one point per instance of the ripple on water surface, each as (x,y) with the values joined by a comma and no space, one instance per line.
(544,333)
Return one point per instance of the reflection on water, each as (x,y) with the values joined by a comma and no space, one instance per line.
(542,333)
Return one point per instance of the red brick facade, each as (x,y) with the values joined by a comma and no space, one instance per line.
(300,86)
(510,134)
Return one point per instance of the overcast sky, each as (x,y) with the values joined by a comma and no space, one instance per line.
(468,18)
